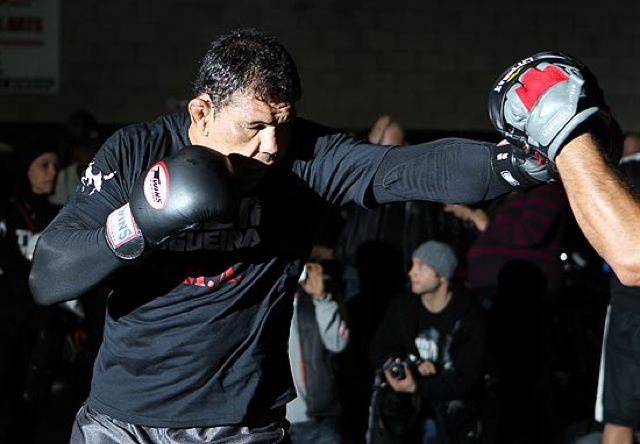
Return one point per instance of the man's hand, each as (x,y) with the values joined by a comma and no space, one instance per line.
(406,385)
(378,129)
(426,368)
(476,216)
(313,282)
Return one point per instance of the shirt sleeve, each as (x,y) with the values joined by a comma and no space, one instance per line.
(338,167)
(331,325)
(451,170)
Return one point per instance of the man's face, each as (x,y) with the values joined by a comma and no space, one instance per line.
(423,278)
(251,128)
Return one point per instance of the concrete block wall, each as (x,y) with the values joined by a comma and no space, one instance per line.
(429,63)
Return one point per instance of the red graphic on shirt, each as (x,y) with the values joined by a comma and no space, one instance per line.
(227,277)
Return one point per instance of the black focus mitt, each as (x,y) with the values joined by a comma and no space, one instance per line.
(541,102)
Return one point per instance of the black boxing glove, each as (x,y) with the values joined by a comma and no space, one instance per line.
(541,101)
(193,186)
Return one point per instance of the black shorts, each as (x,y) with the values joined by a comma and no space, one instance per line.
(96,428)
(618,400)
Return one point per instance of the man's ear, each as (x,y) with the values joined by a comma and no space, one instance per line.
(199,110)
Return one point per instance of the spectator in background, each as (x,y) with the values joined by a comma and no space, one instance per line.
(25,379)
(82,150)
(438,333)
(318,333)
(527,225)
(520,357)
(81,124)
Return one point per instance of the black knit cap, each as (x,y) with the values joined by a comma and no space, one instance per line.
(28,149)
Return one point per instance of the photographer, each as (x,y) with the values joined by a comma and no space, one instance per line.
(430,347)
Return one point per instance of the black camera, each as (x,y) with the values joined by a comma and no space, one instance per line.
(397,366)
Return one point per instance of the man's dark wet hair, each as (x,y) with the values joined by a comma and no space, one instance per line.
(246,60)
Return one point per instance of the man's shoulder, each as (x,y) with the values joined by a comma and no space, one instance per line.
(162,124)
(157,137)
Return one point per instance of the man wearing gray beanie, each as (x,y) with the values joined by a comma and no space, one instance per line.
(429,348)
(439,256)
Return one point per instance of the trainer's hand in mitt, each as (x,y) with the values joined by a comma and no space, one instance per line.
(541,102)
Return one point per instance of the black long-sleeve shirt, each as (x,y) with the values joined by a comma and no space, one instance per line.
(196,333)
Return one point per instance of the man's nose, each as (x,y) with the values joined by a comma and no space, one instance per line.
(269,141)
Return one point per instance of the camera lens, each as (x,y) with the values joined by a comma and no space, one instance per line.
(397,371)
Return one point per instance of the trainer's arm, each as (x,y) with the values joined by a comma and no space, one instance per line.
(605,209)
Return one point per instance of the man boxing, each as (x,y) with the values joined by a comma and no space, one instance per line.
(202,229)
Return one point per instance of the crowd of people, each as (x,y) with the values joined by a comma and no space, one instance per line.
(236,273)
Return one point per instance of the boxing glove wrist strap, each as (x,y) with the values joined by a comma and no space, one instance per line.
(123,235)
(518,170)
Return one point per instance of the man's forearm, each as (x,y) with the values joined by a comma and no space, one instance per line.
(451,170)
(605,210)
(69,263)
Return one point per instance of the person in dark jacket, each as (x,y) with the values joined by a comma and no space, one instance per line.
(430,345)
